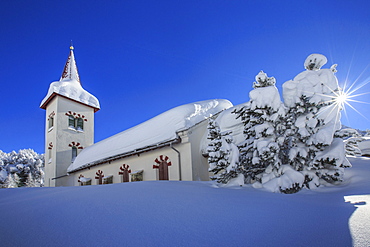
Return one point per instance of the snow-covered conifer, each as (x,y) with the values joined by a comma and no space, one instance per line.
(223,154)
(13,181)
(214,146)
(21,167)
(262,118)
(352,139)
(313,119)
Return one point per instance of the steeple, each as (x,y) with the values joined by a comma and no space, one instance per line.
(70,71)
(69,86)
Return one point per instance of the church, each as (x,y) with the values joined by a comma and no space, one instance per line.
(169,146)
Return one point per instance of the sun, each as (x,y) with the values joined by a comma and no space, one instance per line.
(341,98)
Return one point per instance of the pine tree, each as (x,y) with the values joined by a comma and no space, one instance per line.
(312,121)
(351,144)
(23,164)
(223,156)
(13,181)
(262,119)
(214,155)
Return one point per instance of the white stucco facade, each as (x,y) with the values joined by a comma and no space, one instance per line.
(187,162)
(60,138)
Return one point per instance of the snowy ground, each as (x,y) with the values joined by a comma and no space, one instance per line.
(163,213)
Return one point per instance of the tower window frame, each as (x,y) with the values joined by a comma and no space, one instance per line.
(51,121)
(71,121)
(74,148)
(79,124)
(74,153)
(76,121)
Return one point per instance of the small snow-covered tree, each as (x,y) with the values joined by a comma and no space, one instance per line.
(351,140)
(223,154)
(262,118)
(214,155)
(13,181)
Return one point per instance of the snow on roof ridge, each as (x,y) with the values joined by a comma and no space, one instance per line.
(160,129)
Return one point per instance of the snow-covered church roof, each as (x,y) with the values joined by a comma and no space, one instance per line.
(69,86)
(157,131)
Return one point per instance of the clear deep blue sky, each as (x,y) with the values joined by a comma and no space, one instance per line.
(141,58)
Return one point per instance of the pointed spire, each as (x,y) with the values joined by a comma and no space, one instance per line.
(70,71)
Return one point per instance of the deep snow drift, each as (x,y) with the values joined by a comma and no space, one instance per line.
(164,213)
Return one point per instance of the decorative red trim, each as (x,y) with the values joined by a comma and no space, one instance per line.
(76,115)
(99,174)
(124,168)
(51,115)
(79,177)
(161,159)
(77,145)
(50,146)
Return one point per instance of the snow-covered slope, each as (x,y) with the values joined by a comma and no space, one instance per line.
(159,129)
(170,213)
(72,89)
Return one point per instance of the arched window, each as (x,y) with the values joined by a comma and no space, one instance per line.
(76,121)
(80,124)
(50,148)
(75,146)
(51,122)
(71,121)
(74,153)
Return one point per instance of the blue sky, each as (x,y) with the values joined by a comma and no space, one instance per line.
(141,58)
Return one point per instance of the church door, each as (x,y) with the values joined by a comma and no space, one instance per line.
(125,171)
(163,171)
(163,164)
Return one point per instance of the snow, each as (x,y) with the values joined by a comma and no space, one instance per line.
(364,146)
(159,129)
(179,213)
(314,84)
(69,85)
(84,180)
(71,89)
(266,96)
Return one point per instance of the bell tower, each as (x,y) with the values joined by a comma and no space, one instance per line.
(69,123)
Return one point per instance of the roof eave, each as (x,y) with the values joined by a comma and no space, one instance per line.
(126,154)
(43,106)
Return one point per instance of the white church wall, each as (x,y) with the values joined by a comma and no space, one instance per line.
(50,141)
(200,164)
(62,137)
(144,161)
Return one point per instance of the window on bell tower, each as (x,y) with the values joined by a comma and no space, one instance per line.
(74,153)
(75,146)
(76,121)
(79,124)
(71,121)
(51,120)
